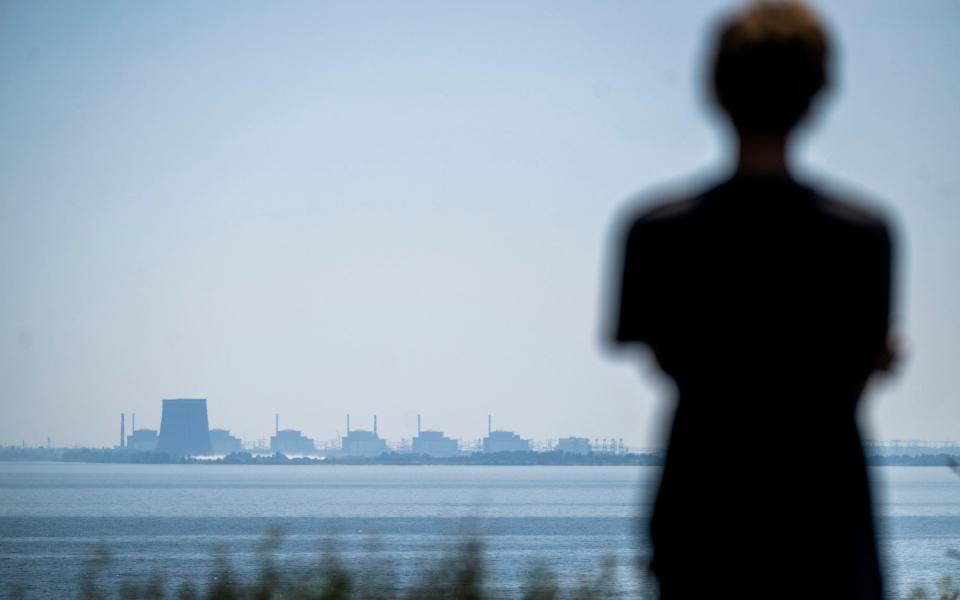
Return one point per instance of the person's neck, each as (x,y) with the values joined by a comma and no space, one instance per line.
(762,154)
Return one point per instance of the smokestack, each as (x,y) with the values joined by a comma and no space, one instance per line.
(418,424)
(374,424)
(277,423)
(489,424)
(133,423)
(122,432)
(348,423)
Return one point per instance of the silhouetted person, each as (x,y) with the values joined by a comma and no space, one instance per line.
(767,302)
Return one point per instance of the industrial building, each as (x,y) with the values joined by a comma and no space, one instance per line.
(221,442)
(291,441)
(434,443)
(574,445)
(184,428)
(139,440)
(142,440)
(362,443)
(503,441)
(184,431)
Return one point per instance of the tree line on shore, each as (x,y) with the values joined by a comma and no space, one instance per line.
(112,455)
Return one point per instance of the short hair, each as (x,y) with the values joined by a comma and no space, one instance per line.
(770,63)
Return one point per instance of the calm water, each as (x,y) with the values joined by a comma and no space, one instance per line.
(173,518)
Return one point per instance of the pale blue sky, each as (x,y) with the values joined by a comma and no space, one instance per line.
(382,207)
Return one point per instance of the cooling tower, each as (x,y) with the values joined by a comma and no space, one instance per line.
(184,428)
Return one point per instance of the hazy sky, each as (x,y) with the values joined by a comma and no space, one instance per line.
(399,207)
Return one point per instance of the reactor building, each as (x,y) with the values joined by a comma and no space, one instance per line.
(503,441)
(434,443)
(221,442)
(362,443)
(291,441)
(142,440)
(184,428)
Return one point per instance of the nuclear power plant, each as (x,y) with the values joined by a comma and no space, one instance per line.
(184,429)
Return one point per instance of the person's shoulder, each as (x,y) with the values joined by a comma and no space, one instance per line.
(669,209)
(660,222)
(858,215)
(664,207)
(854,209)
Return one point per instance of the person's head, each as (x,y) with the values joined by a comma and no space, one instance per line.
(770,63)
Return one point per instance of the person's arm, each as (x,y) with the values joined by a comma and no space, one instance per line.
(635,304)
(891,355)
(890,349)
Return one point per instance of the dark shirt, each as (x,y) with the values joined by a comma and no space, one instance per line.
(767,303)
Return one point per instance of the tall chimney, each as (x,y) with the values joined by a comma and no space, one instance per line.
(277,423)
(418,424)
(133,423)
(122,432)
(374,424)
(348,423)
(489,424)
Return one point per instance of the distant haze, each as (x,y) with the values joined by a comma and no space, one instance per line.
(397,208)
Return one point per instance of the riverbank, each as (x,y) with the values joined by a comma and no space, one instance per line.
(556,458)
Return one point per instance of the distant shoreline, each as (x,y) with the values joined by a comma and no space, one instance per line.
(97,455)
(556,458)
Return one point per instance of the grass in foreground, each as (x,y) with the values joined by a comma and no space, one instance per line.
(461,575)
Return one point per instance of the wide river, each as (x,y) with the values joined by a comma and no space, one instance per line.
(175,518)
